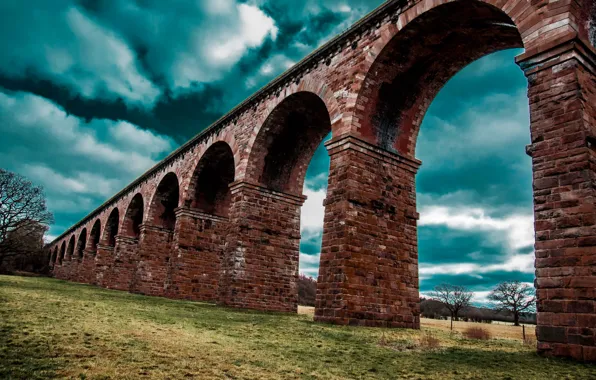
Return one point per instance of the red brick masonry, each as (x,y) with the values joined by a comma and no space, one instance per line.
(219,219)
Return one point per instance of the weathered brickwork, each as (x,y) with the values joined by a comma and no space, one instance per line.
(261,258)
(195,267)
(219,219)
(369,262)
(562,92)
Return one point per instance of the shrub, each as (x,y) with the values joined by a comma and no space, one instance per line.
(429,341)
(477,333)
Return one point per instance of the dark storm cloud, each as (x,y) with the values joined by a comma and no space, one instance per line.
(441,245)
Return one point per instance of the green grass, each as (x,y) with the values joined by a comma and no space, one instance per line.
(51,328)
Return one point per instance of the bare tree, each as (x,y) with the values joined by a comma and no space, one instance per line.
(515,297)
(455,297)
(23,215)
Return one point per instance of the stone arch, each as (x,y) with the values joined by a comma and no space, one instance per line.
(111,229)
(131,226)
(406,75)
(71,247)
(54,256)
(286,142)
(81,244)
(165,201)
(62,253)
(208,190)
(95,236)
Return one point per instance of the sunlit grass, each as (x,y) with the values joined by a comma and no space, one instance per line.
(51,328)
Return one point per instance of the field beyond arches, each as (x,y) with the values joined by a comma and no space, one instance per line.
(51,328)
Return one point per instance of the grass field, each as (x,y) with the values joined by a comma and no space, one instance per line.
(51,328)
(497,330)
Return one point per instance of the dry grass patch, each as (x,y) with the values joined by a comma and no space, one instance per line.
(477,333)
(54,329)
(497,330)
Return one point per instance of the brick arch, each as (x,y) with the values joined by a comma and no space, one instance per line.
(81,244)
(286,142)
(405,74)
(208,189)
(111,229)
(165,200)
(95,236)
(62,253)
(54,256)
(134,217)
(70,248)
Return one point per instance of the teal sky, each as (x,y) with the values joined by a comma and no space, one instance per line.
(94,92)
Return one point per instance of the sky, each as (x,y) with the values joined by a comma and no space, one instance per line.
(95,92)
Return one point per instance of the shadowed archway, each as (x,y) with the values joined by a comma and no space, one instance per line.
(209,186)
(287,141)
(81,244)
(111,229)
(133,218)
(62,253)
(165,202)
(95,236)
(407,74)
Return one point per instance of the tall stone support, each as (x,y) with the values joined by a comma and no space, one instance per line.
(562,92)
(67,270)
(74,267)
(86,272)
(61,270)
(154,251)
(260,268)
(194,268)
(104,259)
(368,273)
(124,264)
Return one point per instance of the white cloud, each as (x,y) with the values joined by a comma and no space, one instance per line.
(310,260)
(215,47)
(60,43)
(518,229)
(36,119)
(519,262)
(78,183)
(493,122)
(79,164)
(313,211)
(129,136)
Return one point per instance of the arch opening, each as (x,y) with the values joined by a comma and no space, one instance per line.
(54,256)
(209,187)
(71,247)
(111,229)
(81,244)
(62,253)
(407,75)
(287,141)
(165,202)
(94,236)
(134,217)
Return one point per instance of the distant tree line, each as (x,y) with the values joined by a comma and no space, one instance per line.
(512,302)
(433,309)
(307,290)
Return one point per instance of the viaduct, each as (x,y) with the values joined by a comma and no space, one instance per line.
(219,218)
